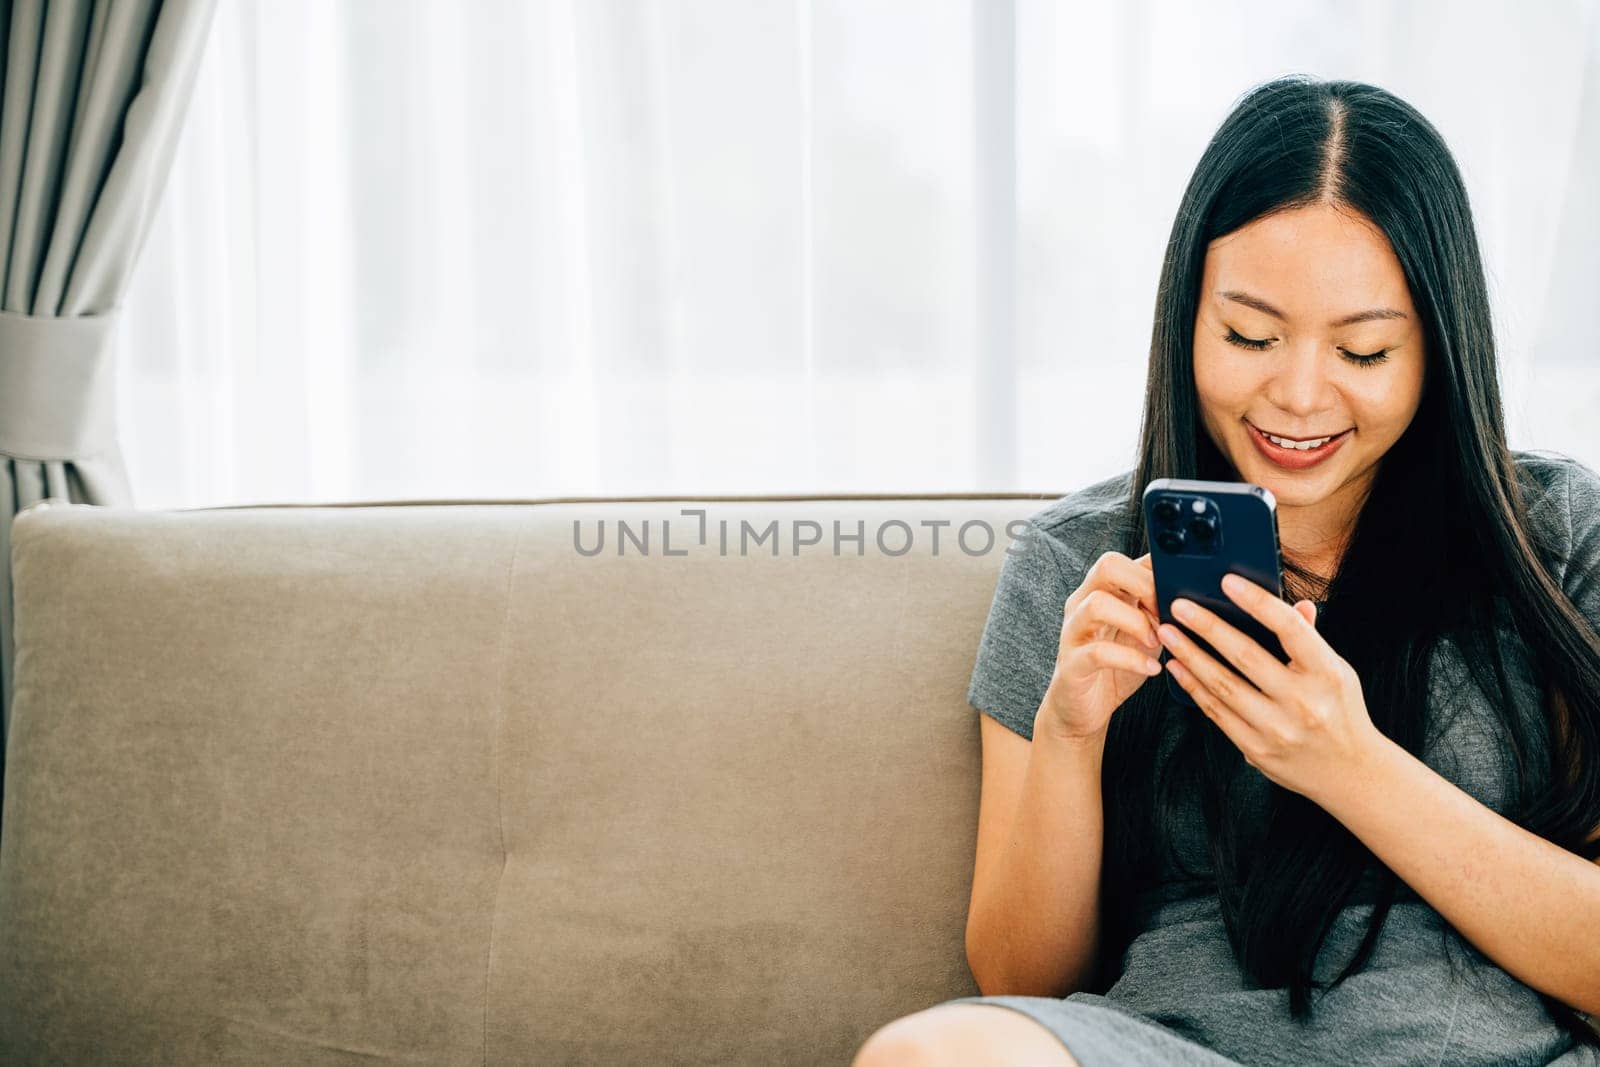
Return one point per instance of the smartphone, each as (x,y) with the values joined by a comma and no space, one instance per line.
(1199,531)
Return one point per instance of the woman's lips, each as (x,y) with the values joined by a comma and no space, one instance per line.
(1294,459)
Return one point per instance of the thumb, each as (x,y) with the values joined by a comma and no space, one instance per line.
(1307,609)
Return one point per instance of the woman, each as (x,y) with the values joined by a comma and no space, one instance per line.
(1384,851)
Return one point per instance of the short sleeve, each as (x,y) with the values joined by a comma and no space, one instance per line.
(1581,577)
(1017,653)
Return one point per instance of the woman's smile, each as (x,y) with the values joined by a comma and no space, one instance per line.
(1304,453)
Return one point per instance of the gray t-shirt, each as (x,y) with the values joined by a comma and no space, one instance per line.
(1180,970)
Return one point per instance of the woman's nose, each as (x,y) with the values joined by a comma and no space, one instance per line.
(1302,381)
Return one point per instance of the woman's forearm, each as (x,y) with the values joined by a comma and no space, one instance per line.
(1526,903)
(1034,923)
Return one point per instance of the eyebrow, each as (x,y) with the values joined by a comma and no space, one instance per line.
(1349,320)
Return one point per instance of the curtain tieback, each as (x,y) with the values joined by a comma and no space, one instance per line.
(57,385)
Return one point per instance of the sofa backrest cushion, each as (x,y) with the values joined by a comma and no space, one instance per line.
(428,782)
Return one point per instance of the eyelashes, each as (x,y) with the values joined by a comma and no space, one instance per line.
(1245,342)
(1369,359)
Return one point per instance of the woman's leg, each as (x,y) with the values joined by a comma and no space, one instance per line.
(975,1034)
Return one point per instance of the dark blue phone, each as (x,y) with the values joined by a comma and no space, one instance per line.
(1199,531)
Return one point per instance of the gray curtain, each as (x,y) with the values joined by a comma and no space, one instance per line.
(94,95)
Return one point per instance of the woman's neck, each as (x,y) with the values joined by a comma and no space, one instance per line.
(1318,547)
(1315,536)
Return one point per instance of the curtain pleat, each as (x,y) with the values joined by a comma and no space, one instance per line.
(94,93)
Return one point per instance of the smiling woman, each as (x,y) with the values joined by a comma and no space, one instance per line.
(1301,401)
(1382,850)
(1327,222)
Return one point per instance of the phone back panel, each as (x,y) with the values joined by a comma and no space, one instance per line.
(1199,531)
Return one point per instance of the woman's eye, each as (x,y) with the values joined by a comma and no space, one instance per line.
(1246,342)
(1370,359)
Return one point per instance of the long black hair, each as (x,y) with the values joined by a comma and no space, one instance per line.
(1447,540)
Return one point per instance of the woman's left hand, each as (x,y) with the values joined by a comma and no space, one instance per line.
(1303,724)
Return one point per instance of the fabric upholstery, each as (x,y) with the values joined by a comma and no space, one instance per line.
(423,783)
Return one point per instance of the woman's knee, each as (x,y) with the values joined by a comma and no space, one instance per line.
(972,1034)
(900,1042)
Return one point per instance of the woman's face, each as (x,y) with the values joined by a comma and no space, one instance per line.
(1286,305)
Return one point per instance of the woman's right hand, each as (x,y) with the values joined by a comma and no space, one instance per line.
(1108,645)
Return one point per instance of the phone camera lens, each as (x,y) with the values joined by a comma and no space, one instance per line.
(1203,529)
(1166,509)
(1170,540)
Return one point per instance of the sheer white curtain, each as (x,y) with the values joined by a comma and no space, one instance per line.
(426,249)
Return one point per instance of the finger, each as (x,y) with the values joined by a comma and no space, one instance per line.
(1226,686)
(1307,609)
(1298,636)
(1242,652)
(1134,583)
(1121,657)
(1244,736)
(1145,562)
(1101,607)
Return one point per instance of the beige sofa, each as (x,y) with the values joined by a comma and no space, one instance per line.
(424,783)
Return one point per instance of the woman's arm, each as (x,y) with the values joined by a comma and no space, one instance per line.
(1526,903)
(1033,925)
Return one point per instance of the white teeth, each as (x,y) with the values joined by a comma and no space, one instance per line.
(1298,446)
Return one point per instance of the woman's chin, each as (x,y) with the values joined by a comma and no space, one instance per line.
(1296,488)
